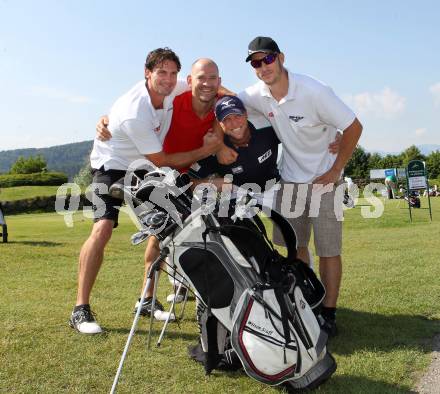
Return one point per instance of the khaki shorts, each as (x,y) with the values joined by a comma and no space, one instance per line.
(306,207)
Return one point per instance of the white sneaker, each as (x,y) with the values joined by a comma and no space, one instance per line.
(179,298)
(83,321)
(162,315)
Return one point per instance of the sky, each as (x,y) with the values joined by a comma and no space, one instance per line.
(63,63)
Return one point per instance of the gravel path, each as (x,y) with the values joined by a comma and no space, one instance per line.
(430,382)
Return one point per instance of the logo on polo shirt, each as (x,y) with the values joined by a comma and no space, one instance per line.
(270,114)
(296,119)
(157,129)
(265,156)
(237,170)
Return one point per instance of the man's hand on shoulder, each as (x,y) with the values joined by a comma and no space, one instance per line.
(333,147)
(226,155)
(212,142)
(102,133)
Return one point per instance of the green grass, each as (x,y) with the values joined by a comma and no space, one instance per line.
(23,192)
(389,309)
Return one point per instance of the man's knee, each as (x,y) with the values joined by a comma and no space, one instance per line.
(102,232)
(330,260)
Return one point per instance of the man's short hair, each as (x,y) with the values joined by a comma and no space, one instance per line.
(158,56)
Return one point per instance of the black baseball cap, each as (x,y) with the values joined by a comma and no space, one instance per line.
(228,105)
(262,44)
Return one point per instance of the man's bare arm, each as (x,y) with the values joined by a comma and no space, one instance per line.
(211,144)
(222,91)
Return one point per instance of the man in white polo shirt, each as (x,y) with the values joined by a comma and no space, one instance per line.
(306,115)
(139,121)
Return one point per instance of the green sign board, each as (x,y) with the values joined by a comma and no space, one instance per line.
(416,175)
(417,179)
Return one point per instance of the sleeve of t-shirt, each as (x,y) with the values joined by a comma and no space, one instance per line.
(204,168)
(142,135)
(332,110)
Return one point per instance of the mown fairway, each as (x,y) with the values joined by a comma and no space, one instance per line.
(389,310)
(22,192)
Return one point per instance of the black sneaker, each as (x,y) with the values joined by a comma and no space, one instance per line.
(329,326)
(83,320)
(146,306)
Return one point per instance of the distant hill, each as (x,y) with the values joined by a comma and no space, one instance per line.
(67,158)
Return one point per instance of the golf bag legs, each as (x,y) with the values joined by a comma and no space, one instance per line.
(4,233)
(172,311)
(154,269)
(4,227)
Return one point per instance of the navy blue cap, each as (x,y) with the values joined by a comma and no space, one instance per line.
(228,105)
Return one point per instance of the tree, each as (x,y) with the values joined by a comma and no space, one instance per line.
(357,166)
(433,164)
(30,165)
(392,161)
(412,153)
(84,176)
(375,161)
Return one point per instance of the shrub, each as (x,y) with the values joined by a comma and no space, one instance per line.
(40,178)
(29,165)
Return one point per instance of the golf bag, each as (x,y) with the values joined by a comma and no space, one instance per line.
(255,305)
(413,199)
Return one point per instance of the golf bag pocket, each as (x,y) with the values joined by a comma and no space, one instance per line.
(311,287)
(259,338)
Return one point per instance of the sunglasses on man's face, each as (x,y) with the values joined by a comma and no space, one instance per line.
(268,59)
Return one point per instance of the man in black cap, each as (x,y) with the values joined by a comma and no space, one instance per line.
(306,115)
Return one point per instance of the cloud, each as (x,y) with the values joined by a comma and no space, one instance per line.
(420,131)
(435,91)
(383,104)
(59,94)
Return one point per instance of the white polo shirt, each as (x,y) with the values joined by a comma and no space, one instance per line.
(137,128)
(306,121)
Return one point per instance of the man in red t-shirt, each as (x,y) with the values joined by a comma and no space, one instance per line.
(193,111)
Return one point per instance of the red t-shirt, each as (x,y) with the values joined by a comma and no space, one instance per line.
(187,129)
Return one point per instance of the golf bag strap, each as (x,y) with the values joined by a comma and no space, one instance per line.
(279,294)
(259,223)
(285,227)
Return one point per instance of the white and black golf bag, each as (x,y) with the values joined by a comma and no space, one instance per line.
(255,305)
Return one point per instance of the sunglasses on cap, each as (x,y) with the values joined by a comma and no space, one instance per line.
(268,59)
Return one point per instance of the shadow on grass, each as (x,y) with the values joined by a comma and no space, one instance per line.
(357,384)
(336,384)
(47,244)
(377,332)
(172,332)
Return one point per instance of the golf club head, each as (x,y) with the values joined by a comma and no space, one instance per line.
(139,237)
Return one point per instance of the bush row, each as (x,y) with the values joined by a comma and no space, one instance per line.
(40,178)
(37,204)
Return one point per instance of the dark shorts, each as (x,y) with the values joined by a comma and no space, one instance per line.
(104,206)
